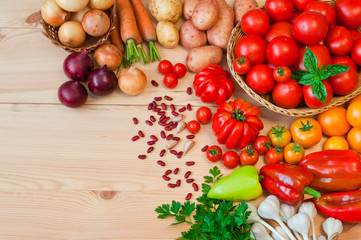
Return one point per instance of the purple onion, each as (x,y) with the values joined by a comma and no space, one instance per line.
(102,82)
(72,94)
(77,66)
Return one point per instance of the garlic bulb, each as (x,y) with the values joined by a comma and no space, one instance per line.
(300,223)
(282,232)
(310,209)
(332,227)
(259,232)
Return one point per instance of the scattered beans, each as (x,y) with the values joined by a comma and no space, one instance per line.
(161,163)
(163,124)
(178,183)
(173,152)
(151,142)
(142,156)
(195,187)
(164,107)
(150,149)
(189,107)
(141,134)
(191,136)
(174,125)
(154,104)
(179,154)
(135,121)
(157,99)
(156,109)
(189,196)
(168,98)
(189,91)
(190,163)
(161,113)
(154,83)
(152,118)
(135,138)
(161,154)
(149,123)
(171,185)
(162,134)
(205,148)
(190,180)
(169,137)
(176,171)
(168,172)
(150,106)
(168,128)
(182,109)
(166,119)
(166,178)
(187,174)
(169,124)
(174,113)
(176,138)
(154,138)
(172,107)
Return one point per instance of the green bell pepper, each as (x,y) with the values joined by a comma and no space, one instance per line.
(241,184)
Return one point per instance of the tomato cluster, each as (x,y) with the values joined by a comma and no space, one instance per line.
(172,73)
(277,41)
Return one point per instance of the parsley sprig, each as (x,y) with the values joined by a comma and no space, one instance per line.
(213,219)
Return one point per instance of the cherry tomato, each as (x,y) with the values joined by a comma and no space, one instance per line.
(344,60)
(170,80)
(165,67)
(249,156)
(242,65)
(334,121)
(279,136)
(260,79)
(323,8)
(339,41)
(310,28)
(301,4)
(193,126)
(255,21)
(287,94)
(322,54)
(262,144)
(230,159)
(274,155)
(282,51)
(293,153)
(312,101)
(214,153)
(356,52)
(306,131)
(204,115)
(279,10)
(180,70)
(253,47)
(353,114)
(336,143)
(348,13)
(282,74)
(354,139)
(279,29)
(344,83)
(356,35)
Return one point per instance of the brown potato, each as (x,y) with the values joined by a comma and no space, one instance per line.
(166,10)
(219,34)
(205,14)
(191,37)
(241,7)
(202,57)
(167,34)
(188,8)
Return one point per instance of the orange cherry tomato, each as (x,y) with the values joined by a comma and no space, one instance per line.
(354,114)
(279,136)
(336,143)
(334,122)
(306,131)
(357,98)
(293,153)
(354,139)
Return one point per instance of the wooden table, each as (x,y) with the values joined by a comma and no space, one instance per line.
(74,173)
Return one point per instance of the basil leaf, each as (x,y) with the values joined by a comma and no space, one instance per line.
(323,67)
(324,74)
(297,75)
(337,69)
(310,61)
(307,79)
(319,91)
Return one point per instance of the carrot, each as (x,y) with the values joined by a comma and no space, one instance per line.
(115,37)
(146,28)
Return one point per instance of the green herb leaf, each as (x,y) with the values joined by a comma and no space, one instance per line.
(175,207)
(319,91)
(307,79)
(337,69)
(310,61)
(298,74)
(324,74)
(188,208)
(163,211)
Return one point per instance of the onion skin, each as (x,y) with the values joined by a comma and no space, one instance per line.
(77,66)
(78,16)
(102,82)
(72,94)
(71,34)
(95,22)
(132,81)
(72,5)
(108,54)
(53,14)
(101,4)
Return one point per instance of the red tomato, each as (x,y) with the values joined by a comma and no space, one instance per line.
(324,8)
(279,10)
(356,52)
(165,67)
(170,80)
(282,51)
(248,156)
(348,13)
(260,79)
(312,101)
(214,153)
(293,17)
(356,35)
(344,83)
(310,28)
(279,29)
(322,54)
(204,115)
(274,155)
(180,70)
(344,60)
(242,65)
(270,65)
(282,74)
(339,41)
(287,94)
(301,4)
(230,159)
(253,47)
(193,126)
(262,144)
(255,21)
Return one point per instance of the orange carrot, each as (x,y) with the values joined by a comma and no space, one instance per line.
(115,38)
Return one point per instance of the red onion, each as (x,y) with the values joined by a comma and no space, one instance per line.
(77,66)
(102,82)
(72,94)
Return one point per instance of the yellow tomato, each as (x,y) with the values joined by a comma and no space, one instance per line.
(334,122)
(357,98)
(354,114)
(293,153)
(306,131)
(279,136)
(336,143)
(354,139)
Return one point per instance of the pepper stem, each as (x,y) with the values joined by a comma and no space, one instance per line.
(238,115)
(311,192)
(153,52)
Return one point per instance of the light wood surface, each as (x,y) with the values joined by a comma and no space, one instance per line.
(74,173)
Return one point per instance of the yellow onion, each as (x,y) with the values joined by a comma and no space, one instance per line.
(95,22)
(72,5)
(71,34)
(132,81)
(101,4)
(108,54)
(53,14)
(78,16)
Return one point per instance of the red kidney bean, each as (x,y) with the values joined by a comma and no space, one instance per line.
(169,124)
(135,120)
(141,134)
(178,183)
(189,91)
(163,124)
(154,138)
(189,196)
(142,156)
(151,142)
(172,107)
(168,172)
(164,107)
(168,98)
(152,118)
(195,187)
(189,107)
(166,178)
(149,123)
(171,185)
(176,138)
(179,154)
(161,163)
(174,125)
(190,180)
(150,106)
(182,109)
(135,138)
(205,148)
(156,109)
(174,113)
(150,149)
(190,163)
(161,118)
(154,83)
(168,129)
(173,152)
(169,137)
(161,113)
(176,171)
(154,104)
(191,136)
(162,153)
(162,134)
(166,119)
(187,174)
(157,99)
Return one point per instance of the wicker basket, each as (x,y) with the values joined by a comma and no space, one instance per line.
(266,99)
(91,43)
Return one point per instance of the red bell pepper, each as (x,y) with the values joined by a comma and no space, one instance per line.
(345,206)
(334,170)
(288,182)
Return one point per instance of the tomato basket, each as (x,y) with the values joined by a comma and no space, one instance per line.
(91,43)
(266,99)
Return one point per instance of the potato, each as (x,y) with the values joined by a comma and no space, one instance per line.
(202,57)
(166,10)
(191,37)
(219,34)
(205,14)
(167,34)
(241,7)
(188,8)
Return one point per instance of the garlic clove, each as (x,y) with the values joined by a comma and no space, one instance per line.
(259,232)
(253,217)
(300,223)
(269,208)
(332,227)
(286,211)
(187,146)
(282,232)
(180,127)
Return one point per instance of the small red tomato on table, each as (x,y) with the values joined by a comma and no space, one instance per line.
(274,155)
(170,80)
(193,126)
(262,144)
(214,153)
(180,70)
(249,156)
(165,67)
(230,159)
(204,115)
